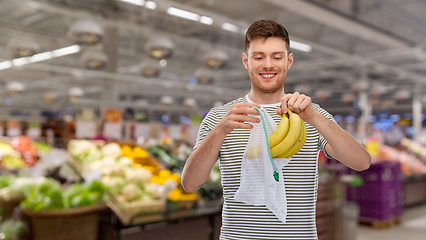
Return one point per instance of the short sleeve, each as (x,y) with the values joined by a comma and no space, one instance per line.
(208,123)
(322,141)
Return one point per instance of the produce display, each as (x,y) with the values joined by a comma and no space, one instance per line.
(410,164)
(25,146)
(11,230)
(49,195)
(14,188)
(21,152)
(287,139)
(123,173)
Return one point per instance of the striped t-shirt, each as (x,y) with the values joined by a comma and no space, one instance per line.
(243,221)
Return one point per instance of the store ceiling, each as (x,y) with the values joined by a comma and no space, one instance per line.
(380,42)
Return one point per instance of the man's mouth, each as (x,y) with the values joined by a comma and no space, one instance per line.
(267,75)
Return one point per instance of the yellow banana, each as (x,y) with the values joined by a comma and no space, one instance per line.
(279,134)
(276,137)
(253,152)
(299,143)
(291,138)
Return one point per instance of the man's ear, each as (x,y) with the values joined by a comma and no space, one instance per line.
(245,60)
(290,60)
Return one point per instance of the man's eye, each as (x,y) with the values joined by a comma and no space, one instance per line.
(257,58)
(277,58)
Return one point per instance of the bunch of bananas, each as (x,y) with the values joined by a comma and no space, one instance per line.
(286,140)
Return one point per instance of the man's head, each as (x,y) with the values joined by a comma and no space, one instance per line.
(265,29)
(267,57)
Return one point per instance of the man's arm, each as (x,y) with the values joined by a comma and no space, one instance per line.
(200,163)
(341,145)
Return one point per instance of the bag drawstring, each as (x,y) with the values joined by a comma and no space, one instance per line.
(276,175)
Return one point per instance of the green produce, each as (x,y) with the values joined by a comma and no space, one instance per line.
(42,147)
(13,162)
(85,150)
(20,187)
(11,229)
(47,196)
(167,159)
(6,180)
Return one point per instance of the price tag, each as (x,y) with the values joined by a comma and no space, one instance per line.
(113,130)
(14,132)
(34,133)
(85,129)
(175,131)
(192,134)
(142,130)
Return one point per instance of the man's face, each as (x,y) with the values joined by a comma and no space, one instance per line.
(267,61)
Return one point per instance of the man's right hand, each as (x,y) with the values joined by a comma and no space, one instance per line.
(237,116)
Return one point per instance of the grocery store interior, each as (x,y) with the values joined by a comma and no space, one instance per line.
(101,102)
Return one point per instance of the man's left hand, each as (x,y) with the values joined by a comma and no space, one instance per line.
(297,103)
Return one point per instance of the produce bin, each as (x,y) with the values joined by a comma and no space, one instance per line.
(67,224)
(126,212)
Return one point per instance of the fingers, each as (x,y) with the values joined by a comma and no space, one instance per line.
(243,118)
(296,102)
(245,108)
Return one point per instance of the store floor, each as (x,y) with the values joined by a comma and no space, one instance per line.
(412,227)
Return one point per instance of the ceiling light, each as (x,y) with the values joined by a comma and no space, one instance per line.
(163,62)
(136,2)
(5,65)
(300,46)
(206,20)
(21,61)
(41,56)
(151,5)
(183,14)
(231,27)
(66,51)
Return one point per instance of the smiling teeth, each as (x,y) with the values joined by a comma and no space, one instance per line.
(268,75)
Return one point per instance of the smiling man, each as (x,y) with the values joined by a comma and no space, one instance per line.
(224,133)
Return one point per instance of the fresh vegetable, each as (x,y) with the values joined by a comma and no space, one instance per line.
(49,196)
(11,229)
(112,150)
(131,192)
(6,180)
(20,187)
(139,176)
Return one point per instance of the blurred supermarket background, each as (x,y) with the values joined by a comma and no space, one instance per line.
(101,101)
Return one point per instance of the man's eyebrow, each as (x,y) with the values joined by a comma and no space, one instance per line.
(279,52)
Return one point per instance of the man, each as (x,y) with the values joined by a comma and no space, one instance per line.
(224,134)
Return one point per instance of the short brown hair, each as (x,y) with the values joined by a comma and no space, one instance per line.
(266,29)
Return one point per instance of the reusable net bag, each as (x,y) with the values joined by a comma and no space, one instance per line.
(262,181)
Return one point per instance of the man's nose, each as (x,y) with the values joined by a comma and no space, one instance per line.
(267,64)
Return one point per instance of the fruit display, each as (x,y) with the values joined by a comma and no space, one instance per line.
(25,146)
(287,139)
(410,164)
(21,152)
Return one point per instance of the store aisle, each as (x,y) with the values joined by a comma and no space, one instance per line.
(412,227)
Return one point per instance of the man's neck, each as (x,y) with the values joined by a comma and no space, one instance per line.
(266,98)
